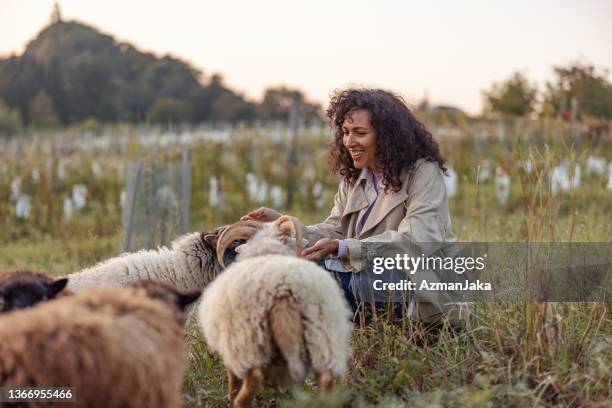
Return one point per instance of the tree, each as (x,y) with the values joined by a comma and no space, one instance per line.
(277,103)
(167,110)
(515,96)
(41,112)
(230,107)
(10,123)
(583,83)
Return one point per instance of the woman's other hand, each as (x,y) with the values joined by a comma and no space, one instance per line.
(263,214)
(321,249)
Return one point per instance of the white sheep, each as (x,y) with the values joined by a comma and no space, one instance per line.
(273,316)
(189,264)
(115,347)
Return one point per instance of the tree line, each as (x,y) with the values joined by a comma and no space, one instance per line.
(578,92)
(72,73)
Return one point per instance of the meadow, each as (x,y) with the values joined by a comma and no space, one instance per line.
(62,195)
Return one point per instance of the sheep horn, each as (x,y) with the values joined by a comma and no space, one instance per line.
(287,226)
(236,231)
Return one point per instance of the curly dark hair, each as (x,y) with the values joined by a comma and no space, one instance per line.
(401,138)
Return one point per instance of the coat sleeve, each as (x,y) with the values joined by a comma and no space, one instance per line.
(422,222)
(330,228)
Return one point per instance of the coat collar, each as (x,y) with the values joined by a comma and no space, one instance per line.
(356,200)
(385,203)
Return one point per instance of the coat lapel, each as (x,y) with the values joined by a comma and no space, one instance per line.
(382,207)
(385,203)
(356,200)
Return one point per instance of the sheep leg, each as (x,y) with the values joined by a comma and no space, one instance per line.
(253,382)
(325,379)
(233,384)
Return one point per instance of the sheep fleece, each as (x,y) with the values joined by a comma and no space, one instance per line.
(176,266)
(117,347)
(234,313)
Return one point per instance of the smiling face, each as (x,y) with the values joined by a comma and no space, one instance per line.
(360,139)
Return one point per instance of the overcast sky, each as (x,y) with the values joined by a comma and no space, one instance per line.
(447,50)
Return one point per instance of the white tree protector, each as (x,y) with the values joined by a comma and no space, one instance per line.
(502,185)
(23,207)
(560,180)
(79,196)
(62,174)
(484,173)
(576,178)
(252,185)
(276,193)
(319,194)
(526,165)
(213,192)
(96,169)
(262,192)
(15,189)
(451,182)
(595,166)
(68,209)
(35,175)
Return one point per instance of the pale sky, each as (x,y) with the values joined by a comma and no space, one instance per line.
(448,50)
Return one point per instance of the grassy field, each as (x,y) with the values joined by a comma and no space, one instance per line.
(511,354)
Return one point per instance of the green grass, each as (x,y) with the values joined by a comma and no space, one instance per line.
(511,354)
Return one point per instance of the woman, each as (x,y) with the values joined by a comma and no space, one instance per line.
(391,190)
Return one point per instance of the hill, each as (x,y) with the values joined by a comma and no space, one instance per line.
(71,72)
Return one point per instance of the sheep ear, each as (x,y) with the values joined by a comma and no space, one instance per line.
(211,239)
(185,299)
(56,287)
(213,236)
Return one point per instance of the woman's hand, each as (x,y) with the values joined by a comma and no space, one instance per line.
(321,249)
(263,214)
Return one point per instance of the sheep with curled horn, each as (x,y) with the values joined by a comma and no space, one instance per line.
(274,317)
(189,264)
(283,234)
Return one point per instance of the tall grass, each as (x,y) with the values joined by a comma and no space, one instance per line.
(510,354)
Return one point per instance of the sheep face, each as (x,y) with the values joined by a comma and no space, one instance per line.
(211,239)
(19,290)
(200,252)
(283,236)
(170,296)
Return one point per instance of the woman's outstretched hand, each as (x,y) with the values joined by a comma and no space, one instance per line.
(321,249)
(263,214)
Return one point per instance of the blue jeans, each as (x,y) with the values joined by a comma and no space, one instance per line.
(357,296)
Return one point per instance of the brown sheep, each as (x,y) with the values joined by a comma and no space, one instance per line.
(120,347)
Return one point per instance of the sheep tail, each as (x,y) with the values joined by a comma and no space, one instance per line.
(286,324)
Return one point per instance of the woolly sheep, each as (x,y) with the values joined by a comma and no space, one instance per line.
(21,289)
(189,264)
(116,347)
(273,316)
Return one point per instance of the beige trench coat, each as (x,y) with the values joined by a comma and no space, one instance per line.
(417,213)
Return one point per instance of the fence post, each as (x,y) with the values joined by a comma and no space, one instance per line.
(292,153)
(186,191)
(132,203)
